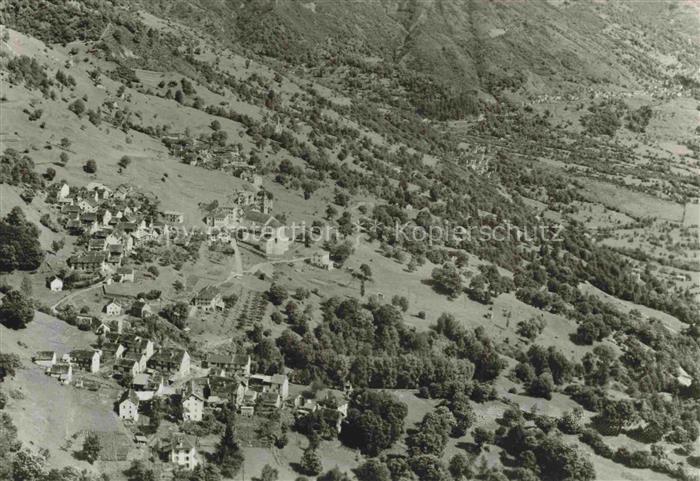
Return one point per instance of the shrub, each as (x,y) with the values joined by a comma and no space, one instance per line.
(77,107)
(90,166)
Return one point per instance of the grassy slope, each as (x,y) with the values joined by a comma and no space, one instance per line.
(184,188)
(46,413)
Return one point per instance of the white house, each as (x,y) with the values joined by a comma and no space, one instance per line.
(63,371)
(63,192)
(86,359)
(129,407)
(56,285)
(274,241)
(277,383)
(174,217)
(125,274)
(182,451)
(322,259)
(113,308)
(192,407)
(45,358)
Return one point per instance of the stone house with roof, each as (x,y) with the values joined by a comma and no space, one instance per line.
(129,406)
(209,299)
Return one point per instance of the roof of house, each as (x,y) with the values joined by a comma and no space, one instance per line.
(141,379)
(44,355)
(131,396)
(111,346)
(220,358)
(258,217)
(169,354)
(82,354)
(278,379)
(89,258)
(221,384)
(269,397)
(125,363)
(60,368)
(241,359)
(207,293)
(132,355)
(125,270)
(179,442)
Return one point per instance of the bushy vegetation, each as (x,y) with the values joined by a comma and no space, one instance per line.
(19,243)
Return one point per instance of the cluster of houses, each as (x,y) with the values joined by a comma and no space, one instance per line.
(62,368)
(116,222)
(247,218)
(160,372)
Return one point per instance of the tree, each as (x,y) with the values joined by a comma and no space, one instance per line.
(27,466)
(541,386)
(176,313)
(334,474)
(340,251)
(310,462)
(345,225)
(57,245)
(373,470)
(400,301)
(155,413)
(460,467)
(178,285)
(277,294)
(138,471)
(77,107)
(16,311)
(215,125)
(428,468)
(448,280)
(616,414)
(124,161)
(26,287)
(91,448)
(228,453)
(482,436)
(268,474)
(431,434)
(365,272)
(50,173)
(63,158)
(179,97)
(560,461)
(374,422)
(9,363)
(90,166)
(153,270)
(19,243)
(463,413)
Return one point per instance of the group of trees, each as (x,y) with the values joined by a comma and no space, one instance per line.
(542,369)
(18,169)
(19,243)
(375,421)
(371,347)
(540,453)
(16,311)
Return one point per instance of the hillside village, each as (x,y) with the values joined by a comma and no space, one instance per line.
(349,241)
